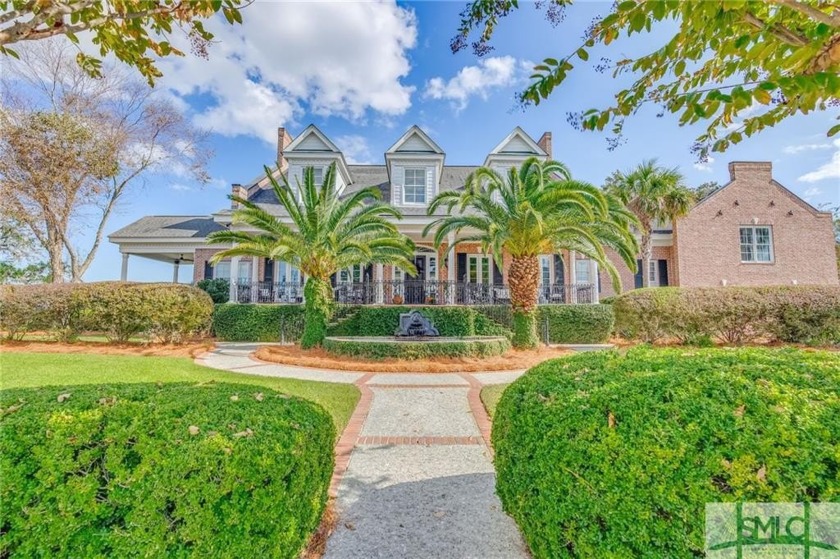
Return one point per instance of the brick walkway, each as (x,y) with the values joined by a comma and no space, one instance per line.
(414,475)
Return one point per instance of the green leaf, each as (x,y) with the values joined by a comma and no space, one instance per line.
(833,130)
(583,55)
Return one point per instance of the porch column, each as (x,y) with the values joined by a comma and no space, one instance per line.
(175,265)
(234,278)
(573,275)
(593,275)
(255,278)
(378,275)
(124,270)
(450,270)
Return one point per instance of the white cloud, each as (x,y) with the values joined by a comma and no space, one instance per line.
(811,192)
(830,170)
(181,187)
(805,147)
(706,166)
(490,74)
(332,58)
(355,149)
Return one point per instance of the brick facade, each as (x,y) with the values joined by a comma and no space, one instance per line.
(708,242)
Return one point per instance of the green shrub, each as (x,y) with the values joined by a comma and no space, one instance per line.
(317,310)
(172,471)
(525,330)
(576,324)
(236,322)
(218,289)
(453,321)
(390,349)
(164,312)
(601,455)
(802,314)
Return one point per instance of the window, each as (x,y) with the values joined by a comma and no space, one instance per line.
(244,271)
(318,175)
(222,270)
(432,270)
(582,271)
(652,272)
(756,244)
(353,274)
(545,270)
(414,186)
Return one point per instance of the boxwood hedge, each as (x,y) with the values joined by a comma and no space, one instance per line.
(576,324)
(383,321)
(173,471)
(603,455)
(390,349)
(235,322)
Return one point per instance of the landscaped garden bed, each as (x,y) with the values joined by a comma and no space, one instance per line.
(608,454)
(384,347)
(320,359)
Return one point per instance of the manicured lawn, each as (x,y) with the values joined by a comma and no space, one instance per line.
(44,369)
(490,396)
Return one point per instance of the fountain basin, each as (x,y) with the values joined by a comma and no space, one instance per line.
(408,347)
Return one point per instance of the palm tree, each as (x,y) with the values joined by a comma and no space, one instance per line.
(327,234)
(536,209)
(653,194)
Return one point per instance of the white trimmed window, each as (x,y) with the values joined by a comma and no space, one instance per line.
(582,271)
(414,186)
(318,175)
(756,244)
(222,270)
(545,269)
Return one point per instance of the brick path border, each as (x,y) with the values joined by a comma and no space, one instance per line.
(351,432)
(485,425)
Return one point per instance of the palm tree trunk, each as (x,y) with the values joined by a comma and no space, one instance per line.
(318,297)
(524,278)
(647,253)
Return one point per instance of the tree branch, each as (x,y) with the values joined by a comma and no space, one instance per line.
(810,11)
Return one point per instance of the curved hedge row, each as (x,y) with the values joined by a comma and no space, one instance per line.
(601,455)
(391,349)
(162,311)
(178,471)
(234,322)
(794,314)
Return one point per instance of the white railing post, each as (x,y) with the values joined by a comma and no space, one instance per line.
(378,275)
(593,277)
(255,276)
(450,270)
(573,274)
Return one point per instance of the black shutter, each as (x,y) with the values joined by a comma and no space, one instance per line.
(208,271)
(269,270)
(639,280)
(367,274)
(461,267)
(663,273)
(333,280)
(497,273)
(559,270)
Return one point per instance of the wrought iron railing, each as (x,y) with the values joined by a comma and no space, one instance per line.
(410,292)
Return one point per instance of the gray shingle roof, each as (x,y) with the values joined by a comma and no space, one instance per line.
(169,226)
(453,177)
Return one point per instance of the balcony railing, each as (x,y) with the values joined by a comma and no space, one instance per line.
(410,292)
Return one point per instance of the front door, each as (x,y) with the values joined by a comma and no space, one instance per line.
(479,279)
(414,285)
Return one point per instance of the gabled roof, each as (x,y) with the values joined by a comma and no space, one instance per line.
(311,140)
(421,143)
(518,142)
(169,226)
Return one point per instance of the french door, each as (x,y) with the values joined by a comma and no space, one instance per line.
(479,269)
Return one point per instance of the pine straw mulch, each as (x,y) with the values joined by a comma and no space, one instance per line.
(189,349)
(320,359)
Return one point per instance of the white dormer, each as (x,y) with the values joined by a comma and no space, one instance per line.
(313,149)
(415,164)
(513,150)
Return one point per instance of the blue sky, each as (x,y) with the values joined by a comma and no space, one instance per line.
(365,72)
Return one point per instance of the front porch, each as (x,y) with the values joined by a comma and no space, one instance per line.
(410,292)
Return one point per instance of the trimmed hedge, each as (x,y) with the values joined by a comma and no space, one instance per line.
(218,289)
(234,322)
(576,324)
(601,455)
(173,471)
(161,311)
(793,314)
(390,349)
(383,321)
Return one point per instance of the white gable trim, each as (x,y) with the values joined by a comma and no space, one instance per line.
(414,130)
(304,136)
(501,150)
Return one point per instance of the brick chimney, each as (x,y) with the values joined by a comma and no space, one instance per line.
(762,170)
(240,191)
(545,143)
(283,141)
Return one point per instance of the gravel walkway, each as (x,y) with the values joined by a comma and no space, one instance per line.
(414,476)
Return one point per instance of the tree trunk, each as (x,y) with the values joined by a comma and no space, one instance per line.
(317,310)
(55,253)
(524,278)
(647,253)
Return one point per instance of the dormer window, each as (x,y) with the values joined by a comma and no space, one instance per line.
(318,175)
(414,188)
